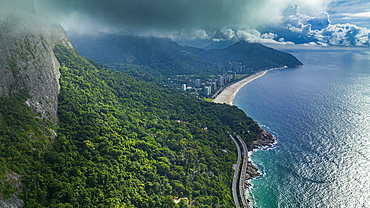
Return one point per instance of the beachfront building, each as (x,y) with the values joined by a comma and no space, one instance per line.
(234,76)
(227,78)
(207,90)
(213,85)
(221,80)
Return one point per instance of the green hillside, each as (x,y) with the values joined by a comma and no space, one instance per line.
(159,56)
(121,142)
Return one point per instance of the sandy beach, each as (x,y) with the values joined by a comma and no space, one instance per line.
(228,94)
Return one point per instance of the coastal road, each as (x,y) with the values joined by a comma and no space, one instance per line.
(236,173)
(242,174)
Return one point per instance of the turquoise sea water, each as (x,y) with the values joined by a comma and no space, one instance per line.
(320,115)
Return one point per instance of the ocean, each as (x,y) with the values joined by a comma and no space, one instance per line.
(320,116)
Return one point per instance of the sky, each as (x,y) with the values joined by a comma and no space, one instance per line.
(285,22)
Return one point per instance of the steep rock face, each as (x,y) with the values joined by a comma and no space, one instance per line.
(27,61)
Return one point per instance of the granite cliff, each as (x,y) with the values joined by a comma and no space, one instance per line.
(27,61)
(27,64)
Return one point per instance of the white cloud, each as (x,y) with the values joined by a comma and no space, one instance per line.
(253,36)
(355,15)
(305,29)
(344,35)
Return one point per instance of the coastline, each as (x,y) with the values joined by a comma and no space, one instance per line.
(227,95)
(265,139)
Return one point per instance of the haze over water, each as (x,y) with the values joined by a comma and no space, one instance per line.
(320,115)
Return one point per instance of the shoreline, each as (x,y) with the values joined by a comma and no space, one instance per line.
(227,95)
(264,138)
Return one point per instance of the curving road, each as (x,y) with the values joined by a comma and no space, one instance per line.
(236,173)
(242,174)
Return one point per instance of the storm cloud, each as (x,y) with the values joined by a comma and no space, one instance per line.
(166,17)
(264,21)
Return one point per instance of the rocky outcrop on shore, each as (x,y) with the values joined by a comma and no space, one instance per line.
(265,139)
(252,171)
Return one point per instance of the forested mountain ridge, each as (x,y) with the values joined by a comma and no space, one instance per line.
(252,55)
(119,142)
(164,57)
(159,56)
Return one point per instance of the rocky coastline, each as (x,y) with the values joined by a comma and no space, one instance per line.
(265,139)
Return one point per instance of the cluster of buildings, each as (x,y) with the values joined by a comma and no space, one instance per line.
(239,68)
(209,86)
(212,85)
(220,80)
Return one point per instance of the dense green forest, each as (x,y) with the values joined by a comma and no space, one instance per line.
(122,142)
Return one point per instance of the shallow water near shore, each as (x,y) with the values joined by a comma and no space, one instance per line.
(320,115)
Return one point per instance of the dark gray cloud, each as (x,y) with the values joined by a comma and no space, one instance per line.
(162,15)
(265,21)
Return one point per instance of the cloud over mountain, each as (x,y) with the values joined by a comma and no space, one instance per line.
(264,21)
(171,16)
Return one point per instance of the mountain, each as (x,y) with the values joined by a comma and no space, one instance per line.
(29,88)
(219,45)
(165,57)
(77,134)
(252,55)
(160,56)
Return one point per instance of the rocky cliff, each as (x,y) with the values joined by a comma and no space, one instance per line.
(27,61)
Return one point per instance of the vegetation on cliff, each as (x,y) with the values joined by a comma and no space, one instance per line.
(121,142)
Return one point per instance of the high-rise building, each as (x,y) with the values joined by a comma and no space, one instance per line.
(221,80)
(183,87)
(214,86)
(207,90)
(227,78)
(197,83)
(234,76)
